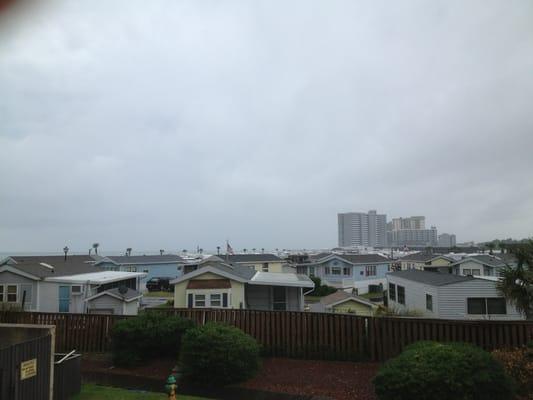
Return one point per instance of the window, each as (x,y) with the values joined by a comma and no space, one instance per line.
(326,270)
(429,302)
(487,271)
(1,294)
(476,272)
(214,300)
(392,291)
(346,271)
(482,305)
(11,293)
(467,271)
(279,299)
(76,289)
(312,271)
(199,300)
(496,305)
(336,270)
(265,267)
(401,294)
(370,270)
(145,271)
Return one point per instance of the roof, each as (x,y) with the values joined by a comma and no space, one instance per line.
(128,296)
(429,277)
(352,258)
(485,259)
(145,259)
(340,296)
(239,273)
(209,284)
(241,258)
(55,266)
(419,257)
(100,277)
(281,279)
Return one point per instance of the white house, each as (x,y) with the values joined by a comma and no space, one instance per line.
(448,296)
(72,285)
(479,265)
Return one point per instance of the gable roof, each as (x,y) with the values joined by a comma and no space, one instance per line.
(53,266)
(340,296)
(238,273)
(350,258)
(145,259)
(209,284)
(281,279)
(429,277)
(242,258)
(128,296)
(484,259)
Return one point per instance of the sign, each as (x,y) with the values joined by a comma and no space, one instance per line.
(28,369)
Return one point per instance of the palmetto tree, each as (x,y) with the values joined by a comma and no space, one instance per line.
(128,251)
(161,251)
(95,247)
(491,247)
(218,250)
(517,283)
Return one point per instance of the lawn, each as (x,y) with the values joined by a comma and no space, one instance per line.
(95,392)
(158,294)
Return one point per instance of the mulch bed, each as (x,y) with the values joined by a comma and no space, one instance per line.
(333,379)
(329,379)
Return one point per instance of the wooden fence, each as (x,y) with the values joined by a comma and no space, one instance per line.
(299,334)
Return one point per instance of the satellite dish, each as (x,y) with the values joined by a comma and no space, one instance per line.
(122,289)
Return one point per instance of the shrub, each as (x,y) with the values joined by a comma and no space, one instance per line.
(218,355)
(321,290)
(148,335)
(436,371)
(518,363)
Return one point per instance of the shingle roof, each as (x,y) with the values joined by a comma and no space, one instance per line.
(239,270)
(75,264)
(130,294)
(240,258)
(430,278)
(419,257)
(489,260)
(340,295)
(147,259)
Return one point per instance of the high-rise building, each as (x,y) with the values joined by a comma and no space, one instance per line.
(413,237)
(362,229)
(447,240)
(418,222)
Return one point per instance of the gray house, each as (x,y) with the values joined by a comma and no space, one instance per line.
(480,265)
(448,296)
(72,285)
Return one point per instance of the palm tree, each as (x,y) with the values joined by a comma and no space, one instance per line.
(262,250)
(95,247)
(244,251)
(65,250)
(516,284)
(161,251)
(128,251)
(184,251)
(218,250)
(502,247)
(253,250)
(491,247)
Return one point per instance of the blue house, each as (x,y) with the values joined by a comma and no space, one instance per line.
(347,271)
(167,265)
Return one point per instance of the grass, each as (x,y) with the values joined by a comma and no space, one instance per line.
(158,294)
(95,392)
(372,295)
(312,299)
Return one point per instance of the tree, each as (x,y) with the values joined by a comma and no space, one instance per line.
(218,250)
(262,250)
(65,250)
(244,251)
(253,250)
(128,251)
(491,246)
(161,251)
(95,247)
(516,284)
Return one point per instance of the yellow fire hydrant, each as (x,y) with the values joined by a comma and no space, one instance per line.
(171,387)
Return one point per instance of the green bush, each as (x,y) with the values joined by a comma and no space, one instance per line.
(321,290)
(148,335)
(218,355)
(436,371)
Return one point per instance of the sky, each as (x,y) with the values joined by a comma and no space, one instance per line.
(176,124)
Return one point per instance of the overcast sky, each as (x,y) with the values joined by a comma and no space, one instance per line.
(172,124)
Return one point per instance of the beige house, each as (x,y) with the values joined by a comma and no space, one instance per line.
(226,286)
(426,261)
(260,262)
(345,303)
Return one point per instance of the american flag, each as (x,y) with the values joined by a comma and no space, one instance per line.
(229,249)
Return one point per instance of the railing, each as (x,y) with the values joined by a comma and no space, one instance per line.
(299,334)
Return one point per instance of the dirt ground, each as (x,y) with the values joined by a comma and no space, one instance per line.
(332,379)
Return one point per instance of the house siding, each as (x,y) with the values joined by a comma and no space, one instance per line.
(172,270)
(9,278)
(353,307)
(415,297)
(106,302)
(453,303)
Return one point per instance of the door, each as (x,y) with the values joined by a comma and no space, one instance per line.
(279,298)
(64,298)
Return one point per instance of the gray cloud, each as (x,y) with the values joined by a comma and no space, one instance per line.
(172,124)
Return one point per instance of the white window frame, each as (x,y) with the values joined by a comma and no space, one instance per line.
(336,271)
(264,267)
(6,293)
(430,296)
(207,299)
(196,305)
(371,270)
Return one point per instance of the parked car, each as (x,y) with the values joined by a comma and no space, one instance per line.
(159,283)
